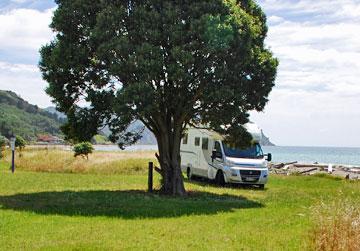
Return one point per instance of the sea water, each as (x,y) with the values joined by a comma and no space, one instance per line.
(307,154)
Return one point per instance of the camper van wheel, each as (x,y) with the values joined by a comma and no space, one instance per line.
(262,186)
(219,178)
(188,173)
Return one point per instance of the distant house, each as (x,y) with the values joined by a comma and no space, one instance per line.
(50,139)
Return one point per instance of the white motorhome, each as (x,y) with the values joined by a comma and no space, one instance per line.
(204,154)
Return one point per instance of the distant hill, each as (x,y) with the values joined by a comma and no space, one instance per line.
(52,109)
(22,118)
(147,136)
(265,141)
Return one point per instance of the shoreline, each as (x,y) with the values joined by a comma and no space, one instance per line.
(294,168)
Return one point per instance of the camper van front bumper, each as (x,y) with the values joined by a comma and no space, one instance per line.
(248,176)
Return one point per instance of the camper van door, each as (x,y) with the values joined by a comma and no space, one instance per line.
(205,155)
(217,162)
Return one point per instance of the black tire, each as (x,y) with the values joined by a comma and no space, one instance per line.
(262,186)
(219,178)
(188,173)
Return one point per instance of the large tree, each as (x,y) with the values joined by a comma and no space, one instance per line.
(168,63)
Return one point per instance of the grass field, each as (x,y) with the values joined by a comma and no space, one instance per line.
(89,209)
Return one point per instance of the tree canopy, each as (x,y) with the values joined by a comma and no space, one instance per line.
(167,63)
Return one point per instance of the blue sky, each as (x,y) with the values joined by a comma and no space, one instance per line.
(316,97)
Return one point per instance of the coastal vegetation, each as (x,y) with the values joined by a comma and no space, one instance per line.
(54,198)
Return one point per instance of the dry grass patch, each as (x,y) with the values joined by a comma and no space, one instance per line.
(55,160)
(337,226)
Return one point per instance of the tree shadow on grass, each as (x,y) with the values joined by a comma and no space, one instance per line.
(128,204)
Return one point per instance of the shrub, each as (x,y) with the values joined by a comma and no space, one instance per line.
(83,149)
(20,142)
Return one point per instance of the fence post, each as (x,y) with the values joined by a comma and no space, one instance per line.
(150,177)
(13,161)
(12,145)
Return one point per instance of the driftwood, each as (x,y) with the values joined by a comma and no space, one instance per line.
(310,165)
(355,170)
(308,170)
(280,165)
(348,172)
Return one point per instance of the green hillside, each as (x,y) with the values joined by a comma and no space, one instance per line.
(24,119)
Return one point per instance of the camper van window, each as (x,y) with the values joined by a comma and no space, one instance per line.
(185,139)
(217,147)
(197,141)
(205,143)
(253,152)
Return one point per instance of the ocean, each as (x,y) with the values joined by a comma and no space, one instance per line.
(307,154)
(303,154)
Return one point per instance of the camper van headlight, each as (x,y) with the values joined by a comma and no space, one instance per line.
(233,172)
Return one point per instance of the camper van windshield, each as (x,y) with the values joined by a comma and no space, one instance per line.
(254,152)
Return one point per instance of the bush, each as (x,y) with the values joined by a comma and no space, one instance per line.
(83,149)
(20,142)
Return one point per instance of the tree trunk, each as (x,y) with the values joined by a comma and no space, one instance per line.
(169,159)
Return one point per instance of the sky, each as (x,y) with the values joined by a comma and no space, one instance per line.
(316,98)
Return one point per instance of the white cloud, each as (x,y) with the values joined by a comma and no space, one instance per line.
(19,1)
(316,11)
(275,19)
(26,81)
(315,101)
(25,29)
(22,33)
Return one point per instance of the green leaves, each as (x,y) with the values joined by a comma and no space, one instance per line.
(219,32)
(166,63)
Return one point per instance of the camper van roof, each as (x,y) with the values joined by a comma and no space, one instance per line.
(252,128)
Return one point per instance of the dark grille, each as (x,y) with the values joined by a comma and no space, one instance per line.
(250,175)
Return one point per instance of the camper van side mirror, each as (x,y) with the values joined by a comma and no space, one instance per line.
(216,154)
(213,155)
(269,157)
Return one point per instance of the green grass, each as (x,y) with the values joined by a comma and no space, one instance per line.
(94,211)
